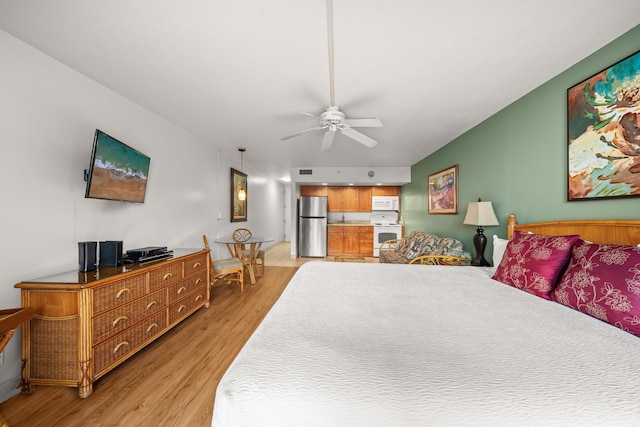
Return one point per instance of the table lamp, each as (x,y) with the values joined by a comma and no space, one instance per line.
(480,214)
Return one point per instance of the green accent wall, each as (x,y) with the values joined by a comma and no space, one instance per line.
(517,159)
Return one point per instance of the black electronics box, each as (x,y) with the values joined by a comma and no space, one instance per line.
(147,252)
(110,253)
(87,256)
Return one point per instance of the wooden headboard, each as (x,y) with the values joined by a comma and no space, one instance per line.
(603,231)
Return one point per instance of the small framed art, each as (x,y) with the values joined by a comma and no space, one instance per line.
(239,196)
(443,191)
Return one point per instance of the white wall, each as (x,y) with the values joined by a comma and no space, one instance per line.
(264,203)
(48,117)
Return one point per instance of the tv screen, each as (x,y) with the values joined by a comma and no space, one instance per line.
(117,171)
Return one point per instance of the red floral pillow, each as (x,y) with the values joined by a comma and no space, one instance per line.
(534,262)
(603,281)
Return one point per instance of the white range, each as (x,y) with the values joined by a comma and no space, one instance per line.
(385,227)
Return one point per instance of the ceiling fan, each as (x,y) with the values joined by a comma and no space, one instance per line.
(333,119)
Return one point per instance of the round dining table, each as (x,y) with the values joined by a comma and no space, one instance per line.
(236,250)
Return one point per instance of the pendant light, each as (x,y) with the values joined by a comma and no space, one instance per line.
(242,193)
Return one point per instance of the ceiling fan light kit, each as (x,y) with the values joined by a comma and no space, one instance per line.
(333,119)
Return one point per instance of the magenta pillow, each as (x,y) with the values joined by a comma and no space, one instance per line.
(534,262)
(603,281)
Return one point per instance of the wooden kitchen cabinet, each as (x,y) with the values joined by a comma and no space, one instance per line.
(392,190)
(335,200)
(366,241)
(314,190)
(335,241)
(350,240)
(364,199)
(350,199)
(308,191)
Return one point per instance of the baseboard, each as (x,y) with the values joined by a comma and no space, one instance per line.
(9,388)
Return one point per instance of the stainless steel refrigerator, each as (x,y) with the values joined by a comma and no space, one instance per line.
(312,227)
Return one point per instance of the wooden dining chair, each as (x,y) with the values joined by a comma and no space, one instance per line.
(242,235)
(226,269)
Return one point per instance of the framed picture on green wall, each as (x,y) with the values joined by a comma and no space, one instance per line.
(443,191)
(604,133)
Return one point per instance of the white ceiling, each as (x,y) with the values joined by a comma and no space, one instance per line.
(238,72)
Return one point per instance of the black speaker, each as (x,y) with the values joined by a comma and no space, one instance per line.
(87,255)
(111,253)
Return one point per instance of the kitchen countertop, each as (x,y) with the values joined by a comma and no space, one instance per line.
(356,223)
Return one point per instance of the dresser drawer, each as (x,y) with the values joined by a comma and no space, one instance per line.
(195,264)
(165,275)
(185,306)
(188,285)
(127,342)
(118,292)
(115,321)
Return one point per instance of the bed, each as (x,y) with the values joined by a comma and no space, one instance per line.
(351,344)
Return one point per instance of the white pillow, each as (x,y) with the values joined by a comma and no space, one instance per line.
(499,246)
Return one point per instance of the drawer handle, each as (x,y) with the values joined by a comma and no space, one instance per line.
(199,297)
(152,326)
(122,291)
(196,265)
(123,343)
(166,276)
(151,304)
(198,280)
(182,289)
(182,307)
(115,322)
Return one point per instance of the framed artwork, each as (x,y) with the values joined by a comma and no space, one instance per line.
(238,200)
(603,133)
(443,191)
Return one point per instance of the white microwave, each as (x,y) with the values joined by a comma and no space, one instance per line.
(385,203)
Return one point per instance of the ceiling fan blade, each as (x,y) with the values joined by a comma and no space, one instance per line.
(360,137)
(327,140)
(307,114)
(284,138)
(363,123)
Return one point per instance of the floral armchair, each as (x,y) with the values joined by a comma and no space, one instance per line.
(418,244)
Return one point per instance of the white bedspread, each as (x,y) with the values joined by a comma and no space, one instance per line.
(405,345)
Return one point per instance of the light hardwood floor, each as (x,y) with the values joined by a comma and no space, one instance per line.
(172,382)
(279,255)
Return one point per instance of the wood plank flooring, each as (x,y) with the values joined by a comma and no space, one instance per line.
(172,382)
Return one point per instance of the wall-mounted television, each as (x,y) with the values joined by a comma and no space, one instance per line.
(117,171)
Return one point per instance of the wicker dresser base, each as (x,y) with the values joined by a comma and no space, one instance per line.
(82,329)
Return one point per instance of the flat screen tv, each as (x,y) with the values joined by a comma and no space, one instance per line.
(117,171)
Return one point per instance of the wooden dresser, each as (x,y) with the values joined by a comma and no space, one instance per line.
(86,324)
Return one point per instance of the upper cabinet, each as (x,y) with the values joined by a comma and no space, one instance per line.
(386,191)
(314,190)
(335,203)
(349,198)
(364,199)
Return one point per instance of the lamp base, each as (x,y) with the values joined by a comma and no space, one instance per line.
(480,242)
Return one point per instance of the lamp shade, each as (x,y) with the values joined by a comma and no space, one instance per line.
(480,214)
